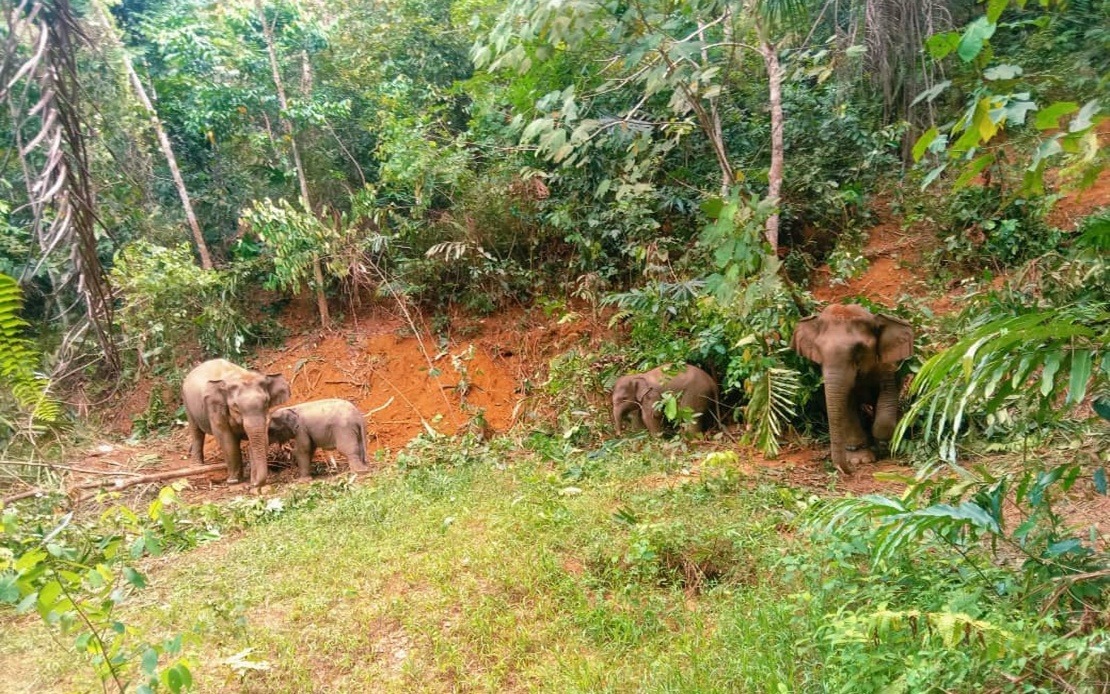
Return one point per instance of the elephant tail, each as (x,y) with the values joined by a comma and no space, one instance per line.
(362,442)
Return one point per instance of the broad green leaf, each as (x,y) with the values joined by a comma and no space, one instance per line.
(932,92)
(932,176)
(48,597)
(942,44)
(173,679)
(1101,407)
(1017,110)
(1080,373)
(1049,116)
(712,207)
(134,577)
(9,591)
(535,128)
(1045,151)
(1083,119)
(923,143)
(1002,72)
(972,170)
(1048,375)
(150,661)
(995,8)
(1100,480)
(1061,547)
(976,34)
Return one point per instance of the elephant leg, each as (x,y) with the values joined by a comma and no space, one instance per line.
(303,453)
(354,450)
(856,450)
(196,447)
(886,412)
(233,455)
(651,417)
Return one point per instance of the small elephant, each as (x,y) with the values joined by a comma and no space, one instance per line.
(637,394)
(859,353)
(331,423)
(232,403)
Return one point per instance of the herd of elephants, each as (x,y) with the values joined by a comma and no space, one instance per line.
(858,352)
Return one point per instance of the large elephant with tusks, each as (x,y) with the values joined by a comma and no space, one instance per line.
(232,403)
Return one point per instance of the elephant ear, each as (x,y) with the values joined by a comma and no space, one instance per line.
(286,421)
(895,339)
(804,340)
(277,387)
(215,399)
(644,388)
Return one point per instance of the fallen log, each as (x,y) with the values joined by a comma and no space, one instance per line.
(118,484)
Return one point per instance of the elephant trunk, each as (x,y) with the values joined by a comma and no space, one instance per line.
(837,392)
(258,436)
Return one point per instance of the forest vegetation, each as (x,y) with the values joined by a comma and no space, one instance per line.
(579,189)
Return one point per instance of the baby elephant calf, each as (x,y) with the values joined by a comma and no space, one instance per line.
(329,423)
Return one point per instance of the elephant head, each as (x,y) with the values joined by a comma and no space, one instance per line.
(636,394)
(858,352)
(245,400)
(283,425)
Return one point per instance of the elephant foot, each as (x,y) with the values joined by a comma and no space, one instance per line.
(233,480)
(882,449)
(858,455)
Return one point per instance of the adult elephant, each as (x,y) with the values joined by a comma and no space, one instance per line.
(232,403)
(859,353)
(636,395)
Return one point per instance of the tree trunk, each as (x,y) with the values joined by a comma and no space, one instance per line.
(774,176)
(716,134)
(306,201)
(163,141)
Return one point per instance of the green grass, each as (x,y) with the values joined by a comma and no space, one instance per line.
(491,568)
(492,571)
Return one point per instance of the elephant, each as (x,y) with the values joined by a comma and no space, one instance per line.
(232,403)
(859,353)
(637,394)
(331,423)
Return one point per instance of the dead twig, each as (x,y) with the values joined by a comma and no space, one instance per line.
(72,468)
(118,484)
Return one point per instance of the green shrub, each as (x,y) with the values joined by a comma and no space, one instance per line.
(167,301)
(984,228)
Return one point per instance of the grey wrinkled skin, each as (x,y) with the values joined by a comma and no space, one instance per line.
(331,424)
(231,404)
(635,395)
(859,353)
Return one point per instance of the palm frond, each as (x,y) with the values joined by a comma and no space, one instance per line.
(773,395)
(1047,360)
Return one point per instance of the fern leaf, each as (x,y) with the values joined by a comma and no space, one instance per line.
(18,360)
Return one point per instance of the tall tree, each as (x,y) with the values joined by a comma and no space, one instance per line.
(687,53)
(163,139)
(287,124)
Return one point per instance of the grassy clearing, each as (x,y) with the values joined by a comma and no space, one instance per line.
(468,567)
(481,570)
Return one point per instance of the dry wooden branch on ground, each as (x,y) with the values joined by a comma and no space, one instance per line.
(118,484)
